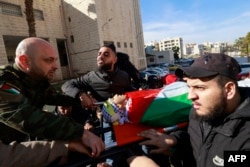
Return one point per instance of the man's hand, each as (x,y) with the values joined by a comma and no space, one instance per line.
(77,145)
(93,142)
(162,141)
(87,101)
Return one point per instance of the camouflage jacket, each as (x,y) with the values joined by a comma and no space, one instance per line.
(21,109)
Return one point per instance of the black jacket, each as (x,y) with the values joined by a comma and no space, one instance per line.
(102,85)
(209,142)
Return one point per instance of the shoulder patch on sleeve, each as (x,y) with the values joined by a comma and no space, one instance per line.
(5,87)
(10,94)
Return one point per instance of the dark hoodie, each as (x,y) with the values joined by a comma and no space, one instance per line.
(209,142)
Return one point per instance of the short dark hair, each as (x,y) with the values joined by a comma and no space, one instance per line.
(222,80)
(111,46)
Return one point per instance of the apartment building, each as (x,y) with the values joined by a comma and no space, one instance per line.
(155,45)
(193,49)
(77,29)
(169,43)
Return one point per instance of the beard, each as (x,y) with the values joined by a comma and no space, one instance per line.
(38,74)
(216,114)
(105,67)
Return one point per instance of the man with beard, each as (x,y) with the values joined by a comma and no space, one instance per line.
(219,118)
(101,84)
(25,90)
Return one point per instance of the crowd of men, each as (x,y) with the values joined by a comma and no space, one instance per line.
(218,120)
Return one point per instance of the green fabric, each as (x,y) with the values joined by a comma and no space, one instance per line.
(109,108)
(167,111)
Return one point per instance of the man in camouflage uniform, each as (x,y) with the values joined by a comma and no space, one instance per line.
(25,89)
(24,154)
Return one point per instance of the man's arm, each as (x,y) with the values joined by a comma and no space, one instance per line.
(20,113)
(41,124)
(35,153)
(74,86)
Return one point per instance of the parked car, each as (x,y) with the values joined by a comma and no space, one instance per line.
(163,65)
(150,80)
(153,72)
(144,74)
(162,72)
(173,67)
(245,69)
(243,75)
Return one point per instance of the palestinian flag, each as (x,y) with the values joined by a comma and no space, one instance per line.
(162,107)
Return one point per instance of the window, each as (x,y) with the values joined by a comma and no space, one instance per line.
(161,57)
(118,44)
(125,45)
(72,39)
(131,45)
(10,9)
(38,14)
(245,65)
(151,60)
(108,42)
(62,52)
(15,10)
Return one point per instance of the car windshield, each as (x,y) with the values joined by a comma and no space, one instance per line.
(245,67)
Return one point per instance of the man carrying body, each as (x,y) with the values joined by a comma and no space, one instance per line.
(219,119)
(25,89)
(103,83)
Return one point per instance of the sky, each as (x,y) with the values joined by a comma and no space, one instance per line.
(195,21)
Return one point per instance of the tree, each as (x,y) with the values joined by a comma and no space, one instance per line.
(243,44)
(176,49)
(30,17)
(247,42)
(239,44)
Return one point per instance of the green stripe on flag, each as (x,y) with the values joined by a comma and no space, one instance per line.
(167,111)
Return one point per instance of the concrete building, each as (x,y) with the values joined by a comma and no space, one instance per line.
(158,57)
(193,49)
(169,43)
(91,23)
(189,49)
(155,45)
(77,29)
(219,47)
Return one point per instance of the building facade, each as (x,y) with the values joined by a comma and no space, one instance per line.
(169,43)
(155,57)
(77,29)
